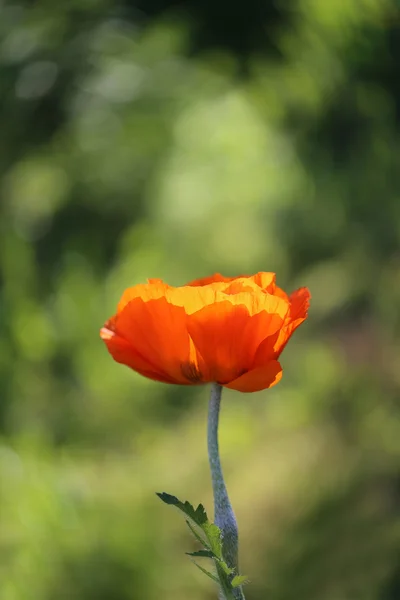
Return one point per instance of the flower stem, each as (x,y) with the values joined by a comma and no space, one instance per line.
(224,516)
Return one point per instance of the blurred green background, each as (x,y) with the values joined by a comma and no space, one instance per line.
(152,138)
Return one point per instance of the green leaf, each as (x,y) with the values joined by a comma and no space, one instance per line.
(198,523)
(204,553)
(198,515)
(214,537)
(239,580)
(213,577)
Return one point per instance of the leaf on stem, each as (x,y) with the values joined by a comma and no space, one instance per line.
(214,538)
(199,524)
(198,515)
(203,553)
(239,580)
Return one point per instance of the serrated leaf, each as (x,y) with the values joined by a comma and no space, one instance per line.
(198,515)
(213,577)
(212,545)
(214,537)
(167,498)
(239,580)
(204,553)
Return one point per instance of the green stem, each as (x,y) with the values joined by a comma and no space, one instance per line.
(224,516)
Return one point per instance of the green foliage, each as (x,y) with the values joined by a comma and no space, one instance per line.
(202,553)
(212,543)
(198,516)
(239,580)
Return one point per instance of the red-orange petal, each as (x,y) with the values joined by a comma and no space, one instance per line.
(215,331)
(264,280)
(123,352)
(227,336)
(257,379)
(156,330)
(299,304)
(152,290)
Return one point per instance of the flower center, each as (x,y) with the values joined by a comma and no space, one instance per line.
(191,372)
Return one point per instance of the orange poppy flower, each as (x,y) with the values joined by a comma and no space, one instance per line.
(229,330)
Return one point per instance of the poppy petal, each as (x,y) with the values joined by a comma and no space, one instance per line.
(264,280)
(147,291)
(227,335)
(215,331)
(241,285)
(123,352)
(257,379)
(192,299)
(157,331)
(299,304)
(266,350)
